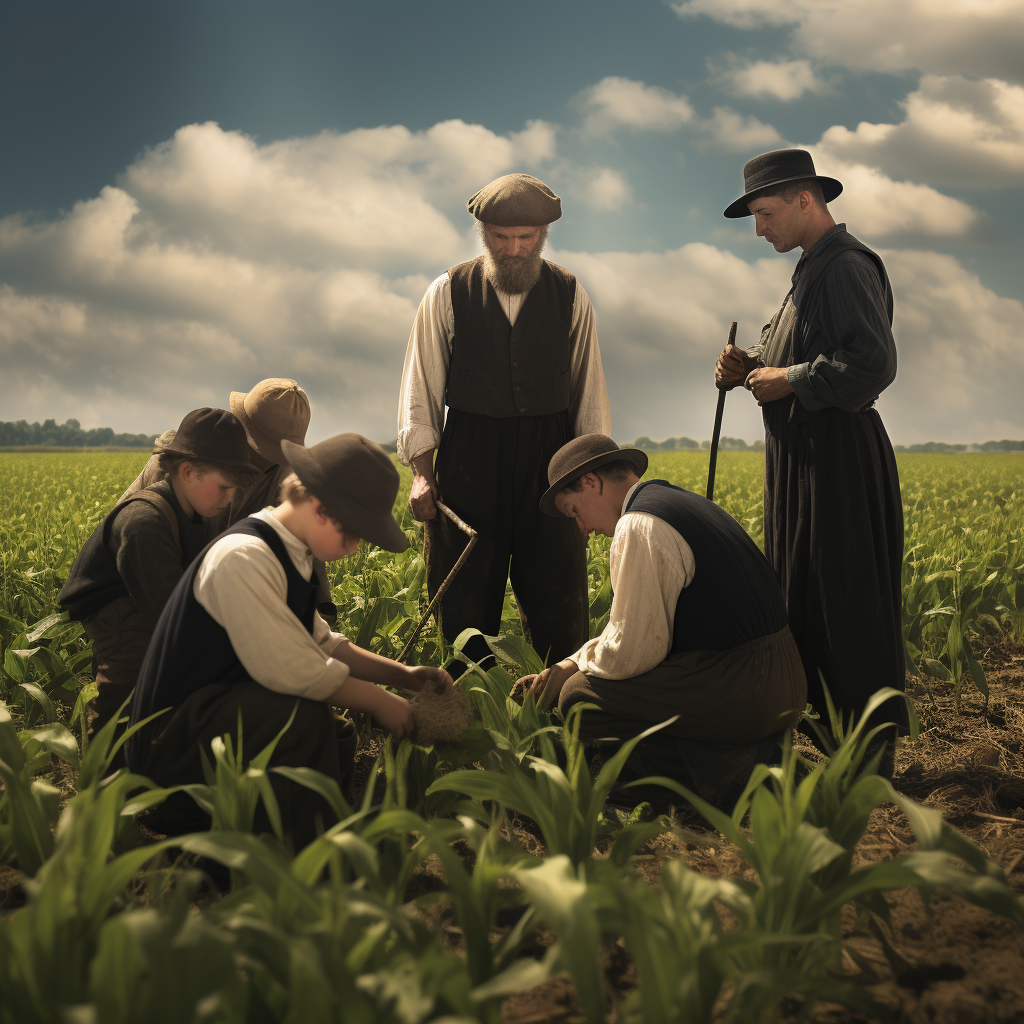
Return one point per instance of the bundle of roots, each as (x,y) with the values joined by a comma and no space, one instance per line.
(440,712)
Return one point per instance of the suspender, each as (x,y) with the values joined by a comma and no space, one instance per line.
(159,502)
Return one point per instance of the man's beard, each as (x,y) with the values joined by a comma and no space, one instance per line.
(514,275)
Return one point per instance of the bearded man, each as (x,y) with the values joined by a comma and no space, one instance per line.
(833,514)
(508,343)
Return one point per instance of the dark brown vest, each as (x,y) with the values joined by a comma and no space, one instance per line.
(497,369)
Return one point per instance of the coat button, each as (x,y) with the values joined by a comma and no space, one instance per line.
(522,410)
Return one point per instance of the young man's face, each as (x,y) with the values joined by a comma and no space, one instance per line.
(781,223)
(327,542)
(208,493)
(593,508)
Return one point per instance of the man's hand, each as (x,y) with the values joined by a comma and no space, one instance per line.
(420,675)
(732,367)
(394,714)
(768,384)
(423,494)
(547,685)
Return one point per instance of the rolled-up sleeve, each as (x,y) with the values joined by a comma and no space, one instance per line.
(243,587)
(425,373)
(857,353)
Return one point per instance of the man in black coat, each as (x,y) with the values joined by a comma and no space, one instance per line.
(833,514)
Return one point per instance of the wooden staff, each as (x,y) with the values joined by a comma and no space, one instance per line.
(471,533)
(716,434)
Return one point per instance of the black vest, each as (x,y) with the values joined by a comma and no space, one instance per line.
(497,369)
(190,650)
(94,580)
(734,596)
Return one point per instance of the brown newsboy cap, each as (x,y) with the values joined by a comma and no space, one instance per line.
(776,168)
(355,481)
(209,435)
(514,201)
(276,409)
(582,455)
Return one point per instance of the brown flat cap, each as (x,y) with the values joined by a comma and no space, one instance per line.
(276,409)
(582,455)
(209,435)
(514,201)
(355,481)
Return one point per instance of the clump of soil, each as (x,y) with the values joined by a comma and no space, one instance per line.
(441,713)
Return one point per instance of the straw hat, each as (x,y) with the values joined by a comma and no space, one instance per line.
(276,409)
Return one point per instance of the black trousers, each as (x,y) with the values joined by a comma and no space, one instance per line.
(833,532)
(492,472)
(316,739)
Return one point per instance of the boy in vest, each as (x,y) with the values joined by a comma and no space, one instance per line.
(275,410)
(697,627)
(127,569)
(241,635)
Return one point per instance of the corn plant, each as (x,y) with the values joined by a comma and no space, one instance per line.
(565,802)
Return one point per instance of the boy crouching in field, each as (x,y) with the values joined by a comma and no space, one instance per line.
(241,634)
(127,569)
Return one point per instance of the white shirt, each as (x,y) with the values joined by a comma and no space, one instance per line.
(425,375)
(650,563)
(243,586)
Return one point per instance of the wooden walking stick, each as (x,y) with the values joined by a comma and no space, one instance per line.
(716,434)
(471,533)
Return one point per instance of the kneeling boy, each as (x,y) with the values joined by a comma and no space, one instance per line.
(127,569)
(241,633)
(697,626)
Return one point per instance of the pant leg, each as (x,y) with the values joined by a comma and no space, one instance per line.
(120,635)
(316,739)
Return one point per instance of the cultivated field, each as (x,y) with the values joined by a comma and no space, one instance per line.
(490,880)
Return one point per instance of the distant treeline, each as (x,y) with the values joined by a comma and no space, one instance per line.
(68,435)
(941,446)
(687,444)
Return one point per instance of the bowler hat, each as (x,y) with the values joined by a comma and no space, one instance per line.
(583,455)
(209,435)
(275,409)
(355,481)
(776,168)
(515,200)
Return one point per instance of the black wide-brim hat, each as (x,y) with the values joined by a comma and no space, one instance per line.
(582,455)
(210,435)
(776,168)
(355,481)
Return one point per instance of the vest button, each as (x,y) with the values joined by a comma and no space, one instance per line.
(522,410)
(515,364)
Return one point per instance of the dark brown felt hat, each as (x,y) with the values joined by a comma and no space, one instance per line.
(210,435)
(776,168)
(514,201)
(355,481)
(582,455)
(276,409)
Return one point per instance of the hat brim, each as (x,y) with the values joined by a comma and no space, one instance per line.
(266,446)
(636,458)
(246,468)
(376,527)
(830,187)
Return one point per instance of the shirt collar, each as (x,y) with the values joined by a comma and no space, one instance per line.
(300,555)
(629,495)
(818,248)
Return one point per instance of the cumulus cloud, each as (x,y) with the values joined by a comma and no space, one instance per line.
(779,80)
(735,133)
(969,37)
(956,132)
(204,270)
(624,103)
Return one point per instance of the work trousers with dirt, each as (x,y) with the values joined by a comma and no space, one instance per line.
(491,471)
(733,709)
(316,739)
(120,634)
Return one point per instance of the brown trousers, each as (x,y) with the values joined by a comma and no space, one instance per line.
(120,635)
(733,707)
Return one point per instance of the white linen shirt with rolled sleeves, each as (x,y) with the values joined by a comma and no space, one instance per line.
(425,375)
(649,563)
(243,586)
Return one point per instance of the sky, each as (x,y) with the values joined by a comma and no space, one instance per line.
(198,195)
